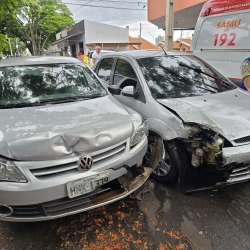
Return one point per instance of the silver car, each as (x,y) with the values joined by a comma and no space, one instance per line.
(203,118)
(66,144)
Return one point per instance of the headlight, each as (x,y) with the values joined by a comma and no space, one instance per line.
(9,172)
(139,134)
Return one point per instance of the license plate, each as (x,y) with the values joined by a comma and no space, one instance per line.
(86,185)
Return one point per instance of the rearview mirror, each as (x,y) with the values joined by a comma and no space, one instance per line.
(114,90)
(129,91)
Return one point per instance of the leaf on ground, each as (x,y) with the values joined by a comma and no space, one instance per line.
(100,237)
(59,229)
(137,241)
(114,236)
(175,235)
(162,247)
(117,246)
(198,216)
(181,247)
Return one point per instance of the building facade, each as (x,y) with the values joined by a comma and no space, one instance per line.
(145,45)
(185,16)
(85,35)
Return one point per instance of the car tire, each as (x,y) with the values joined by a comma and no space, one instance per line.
(168,171)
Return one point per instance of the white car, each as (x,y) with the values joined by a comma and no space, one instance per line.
(203,118)
(66,144)
(103,53)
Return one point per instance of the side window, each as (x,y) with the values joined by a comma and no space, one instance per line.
(124,71)
(105,68)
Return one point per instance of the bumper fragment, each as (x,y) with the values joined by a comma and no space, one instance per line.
(239,154)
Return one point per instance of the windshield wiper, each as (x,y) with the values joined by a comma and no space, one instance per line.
(199,71)
(63,99)
(68,99)
(44,102)
(206,89)
(95,96)
(51,101)
(20,105)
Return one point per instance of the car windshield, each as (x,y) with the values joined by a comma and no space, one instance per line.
(182,76)
(35,83)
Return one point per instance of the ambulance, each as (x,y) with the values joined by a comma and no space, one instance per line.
(222,36)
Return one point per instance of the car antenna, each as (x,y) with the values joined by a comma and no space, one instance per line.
(163,50)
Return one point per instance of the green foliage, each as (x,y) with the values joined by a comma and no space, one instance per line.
(7,6)
(37,21)
(13,43)
(3,43)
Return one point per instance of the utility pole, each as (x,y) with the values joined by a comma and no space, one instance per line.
(181,40)
(169,24)
(140,36)
(17,47)
(10,47)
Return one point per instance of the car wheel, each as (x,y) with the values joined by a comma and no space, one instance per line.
(166,171)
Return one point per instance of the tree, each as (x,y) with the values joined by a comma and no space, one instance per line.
(3,42)
(14,42)
(37,21)
(6,7)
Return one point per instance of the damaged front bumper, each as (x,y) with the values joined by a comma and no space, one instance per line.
(239,157)
(129,181)
(239,154)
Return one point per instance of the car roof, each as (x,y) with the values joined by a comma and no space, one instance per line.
(108,51)
(102,51)
(36,60)
(147,53)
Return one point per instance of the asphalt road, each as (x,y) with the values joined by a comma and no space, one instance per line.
(165,219)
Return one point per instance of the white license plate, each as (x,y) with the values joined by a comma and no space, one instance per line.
(86,185)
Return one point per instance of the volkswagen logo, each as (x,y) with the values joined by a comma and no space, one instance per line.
(85,163)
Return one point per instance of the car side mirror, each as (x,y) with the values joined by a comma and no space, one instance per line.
(129,91)
(114,90)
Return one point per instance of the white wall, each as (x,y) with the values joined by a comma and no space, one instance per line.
(61,34)
(103,33)
(115,48)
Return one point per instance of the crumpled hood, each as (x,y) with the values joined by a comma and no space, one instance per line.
(62,130)
(227,113)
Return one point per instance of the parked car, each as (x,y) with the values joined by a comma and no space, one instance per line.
(203,118)
(103,53)
(66,144)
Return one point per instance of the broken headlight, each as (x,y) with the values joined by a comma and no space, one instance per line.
(9,172)
(139,134)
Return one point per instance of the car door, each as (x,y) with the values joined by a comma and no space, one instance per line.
(104,69)
(125,75)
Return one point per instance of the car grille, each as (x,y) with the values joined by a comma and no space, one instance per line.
(67,205)
(56,207)
(71,168)
(242,140)
(240,174)
(30,211)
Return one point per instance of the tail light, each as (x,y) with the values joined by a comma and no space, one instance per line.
(206,12)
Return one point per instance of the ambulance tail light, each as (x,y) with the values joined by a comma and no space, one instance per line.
(206,12)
